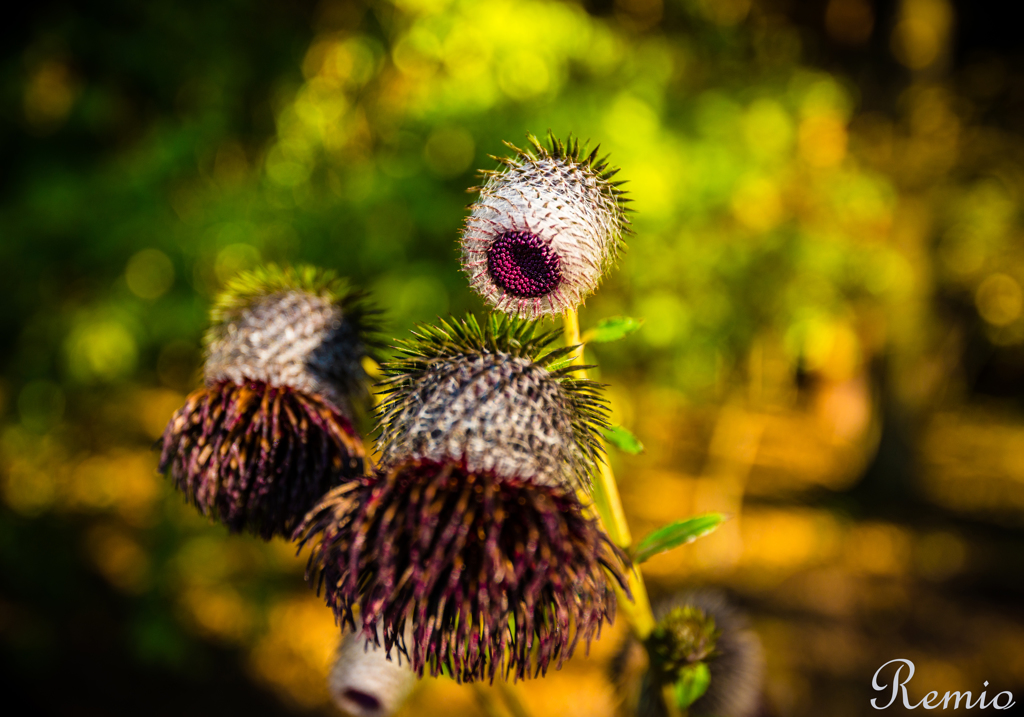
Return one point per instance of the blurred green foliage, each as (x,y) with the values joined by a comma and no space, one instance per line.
(751,215)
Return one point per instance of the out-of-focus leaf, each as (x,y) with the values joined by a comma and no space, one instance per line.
(612,329)
(675,534)
(624,440)
(692,683)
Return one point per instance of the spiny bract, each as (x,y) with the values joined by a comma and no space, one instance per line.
(545,228)
(493,398)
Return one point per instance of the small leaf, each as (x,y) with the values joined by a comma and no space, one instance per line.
(624,440)
(675,534)
(611,329)
(692,684)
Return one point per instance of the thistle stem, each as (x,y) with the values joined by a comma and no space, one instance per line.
(609,507)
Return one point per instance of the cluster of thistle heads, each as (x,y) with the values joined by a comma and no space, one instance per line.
(468,547)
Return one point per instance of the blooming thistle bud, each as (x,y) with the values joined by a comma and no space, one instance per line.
(472,533)
(545,229)
(271,430)
(700,626)
(365,682)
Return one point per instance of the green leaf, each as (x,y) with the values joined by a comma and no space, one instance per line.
(624,440)
(692,683)
(675,534)
(611,329)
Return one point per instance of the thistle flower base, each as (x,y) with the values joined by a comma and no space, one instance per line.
(257,457)
(497,576)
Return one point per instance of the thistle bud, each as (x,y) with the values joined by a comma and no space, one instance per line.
(365,682)
(545,229)
(271,430)
(471,534)
(693,627)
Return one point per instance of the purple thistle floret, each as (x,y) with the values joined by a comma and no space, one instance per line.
(521,264)
(494,576)
(258,457)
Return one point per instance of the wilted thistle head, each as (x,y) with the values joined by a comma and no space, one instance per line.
(471,535)
(697,626)
(545,229)
(271,430)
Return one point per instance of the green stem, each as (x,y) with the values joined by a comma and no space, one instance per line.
(609,507)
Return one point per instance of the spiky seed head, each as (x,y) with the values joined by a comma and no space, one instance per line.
(487,397)
(699,625)
(364,681)
(257,457)
(297,327)
(545,229)
(684,636)
(491,576)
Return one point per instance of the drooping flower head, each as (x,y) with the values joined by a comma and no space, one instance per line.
(545,229)
(693,626)
(471,535)
(271,430)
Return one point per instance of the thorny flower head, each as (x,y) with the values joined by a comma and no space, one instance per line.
(684,636)
(694,626)
(471,535)
(271,430)
(545,228)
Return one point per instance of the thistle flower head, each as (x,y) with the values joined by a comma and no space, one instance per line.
(464,572)
(271,431)
(364,681)
(491,397)
(545,228)
(694,626)
(684,635)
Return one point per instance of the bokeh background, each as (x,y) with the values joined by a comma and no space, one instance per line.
(829,256)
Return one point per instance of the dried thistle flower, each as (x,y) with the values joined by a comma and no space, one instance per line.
(365,682)
(271,430)
(545,229)
(471,535)
(494,577)
(693,627)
